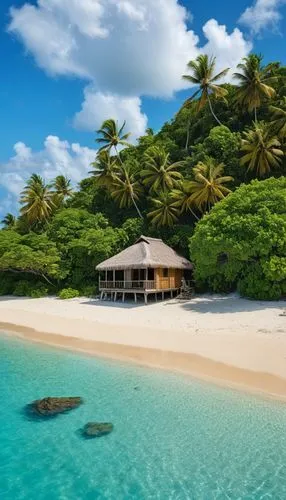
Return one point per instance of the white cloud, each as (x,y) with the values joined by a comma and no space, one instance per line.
(57,157)
(126,49)
(262,14)
(98,107)
(229,48)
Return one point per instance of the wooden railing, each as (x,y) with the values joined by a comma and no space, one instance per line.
(127,285)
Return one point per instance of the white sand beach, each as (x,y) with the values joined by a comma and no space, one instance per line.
(229,339)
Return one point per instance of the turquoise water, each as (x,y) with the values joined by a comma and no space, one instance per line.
(174,437)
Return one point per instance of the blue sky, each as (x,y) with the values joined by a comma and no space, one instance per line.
(69,64)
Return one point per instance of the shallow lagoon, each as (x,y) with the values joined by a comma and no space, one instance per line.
(174,437)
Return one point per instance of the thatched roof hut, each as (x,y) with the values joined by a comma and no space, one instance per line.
(146,253)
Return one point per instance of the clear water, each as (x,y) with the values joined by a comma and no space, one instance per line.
(174,437)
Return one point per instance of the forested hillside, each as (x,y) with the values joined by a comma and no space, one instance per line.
(221,149)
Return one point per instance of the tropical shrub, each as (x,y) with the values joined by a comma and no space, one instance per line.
(241,243)
(89,291)
(68,293)
(25,288)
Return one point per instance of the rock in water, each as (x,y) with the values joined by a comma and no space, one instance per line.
(97,429)
(53,406)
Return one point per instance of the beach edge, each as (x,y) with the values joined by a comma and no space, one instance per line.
(262,384)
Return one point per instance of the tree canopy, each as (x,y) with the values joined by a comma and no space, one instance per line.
(241,243)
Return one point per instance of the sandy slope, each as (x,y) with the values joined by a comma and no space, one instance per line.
(242,334)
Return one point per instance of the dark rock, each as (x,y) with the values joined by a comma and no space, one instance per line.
(53,406)
(97,429)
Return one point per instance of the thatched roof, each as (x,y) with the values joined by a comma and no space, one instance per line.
(146,252)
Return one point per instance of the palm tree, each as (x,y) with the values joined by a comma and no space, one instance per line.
(165,211)
(261,150)
(126,188)
(37,200)
(279,119)
(254,83)
(62,186)
(159,174)
(9,221)
(112,136)
(208,187)
(105,168)
(62,190)
(183,197)
(203,75)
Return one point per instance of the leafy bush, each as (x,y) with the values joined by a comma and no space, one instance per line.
(25,288)
(241,243)
(22,289)
(39,291)
(68,293)
(89,291)
(7,283)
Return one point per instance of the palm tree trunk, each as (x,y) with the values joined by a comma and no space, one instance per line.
(136,206)
(193,213)
(118,155)
(212,111)
(188,135)
(132,197)
(255,114)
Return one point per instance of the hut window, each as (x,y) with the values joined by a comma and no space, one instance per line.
(109,275)
(119,275)
(151,275)
(138,274)
(165,272)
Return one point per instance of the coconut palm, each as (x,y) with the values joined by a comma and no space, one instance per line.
(203,75)
(37,200)
(183,197)
(105,168)
(261,150)
(279,119)
(126,189)
(62,186)
(159,173)
(165,211)
(208,187)
(9,221)
(112,136)
(61,190)
(255,83)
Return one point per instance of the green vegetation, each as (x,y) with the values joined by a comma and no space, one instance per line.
(241,243)
(210,183)
(68,293)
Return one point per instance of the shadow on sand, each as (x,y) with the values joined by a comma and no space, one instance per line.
(219,304)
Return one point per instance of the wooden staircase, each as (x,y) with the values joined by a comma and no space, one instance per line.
(186,291)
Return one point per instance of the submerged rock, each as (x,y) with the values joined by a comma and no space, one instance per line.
(53,406)
(97,429)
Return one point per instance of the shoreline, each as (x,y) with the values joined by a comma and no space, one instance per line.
(224,339)
(262,384)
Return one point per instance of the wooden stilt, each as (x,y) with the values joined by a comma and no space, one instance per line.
(156,298)
(135,297)
(146,298)
(163,295)
(123,297)
(101,296)
(115,296)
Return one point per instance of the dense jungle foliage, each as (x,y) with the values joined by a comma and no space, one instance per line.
(210,183)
